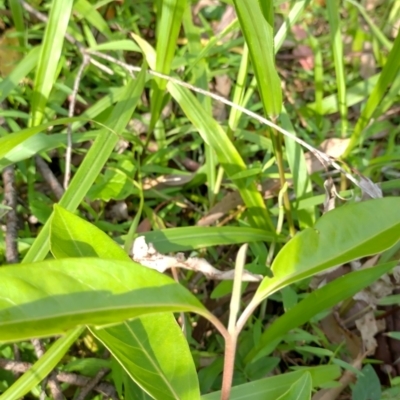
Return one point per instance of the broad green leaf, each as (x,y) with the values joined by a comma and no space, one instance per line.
(50,52)
(145,346)
(9,142)
(72,236)
(228,156)
(94,161)
(257,26)
(19,72)
(319,300)
(368,386)
(299,390)
(196,237)
(273,387)
(155,354)
(42,367)
(84,291)
(169,18)
(343,234)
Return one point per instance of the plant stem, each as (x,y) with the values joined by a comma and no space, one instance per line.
(229,363)
(276,141)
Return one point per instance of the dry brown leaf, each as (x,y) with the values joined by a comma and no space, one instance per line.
(333,147)
(337,334)
(8,55)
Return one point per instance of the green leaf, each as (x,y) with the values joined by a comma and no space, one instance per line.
(196,237)
(50,53)
(299,390)
(71,236)
(9,142)
(337,50)
(125,44)
(319,300)
(43,366)
(228,156)
(344,234)
(273,387)
(151,347)
(90,13)
(84,291)
(169,18)
(155,354)
(386,78)
(258,33)
(368,386)
(94,160)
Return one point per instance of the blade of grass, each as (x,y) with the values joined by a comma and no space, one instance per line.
(380,36)
(230,159)
(386,77)
(89,12)
(18,19)
(43,366)
(93,162)
(338,58)
(201,80)
(258,33)
(169,17)
(50,53)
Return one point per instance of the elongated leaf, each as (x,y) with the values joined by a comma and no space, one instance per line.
(145,346)
(273,387)
(318,301)
(386,77)
(8,142)
(230,159)
(43,366)
(50,52)
(344,234)
(299,390)
(155,354)
(71,236)
(337,50)
(196,237)
(42,142)
(90,13)
(257,26)
(93,162)
(169,15)
(85,291)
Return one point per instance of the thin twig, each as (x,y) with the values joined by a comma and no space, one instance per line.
(55,388)
(92,383)
(49,177)
(19,367)
(10,200)
(328,160)
(71,111)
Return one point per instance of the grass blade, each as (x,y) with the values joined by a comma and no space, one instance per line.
(50,53)
(43,366)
